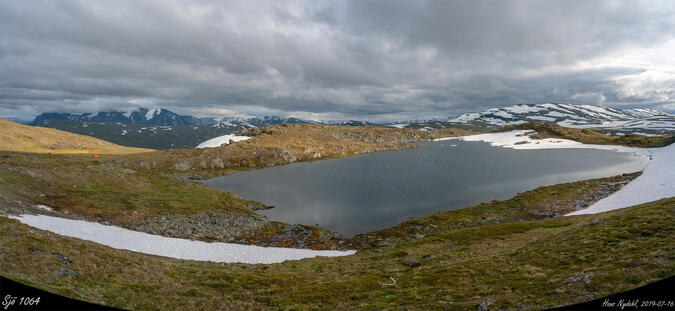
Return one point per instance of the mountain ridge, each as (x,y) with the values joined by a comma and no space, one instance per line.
(601,118)
(153,116)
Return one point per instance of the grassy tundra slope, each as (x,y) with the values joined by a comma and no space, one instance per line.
(152,193)
(23,138)
(283,144)
(441,262)
(511,254)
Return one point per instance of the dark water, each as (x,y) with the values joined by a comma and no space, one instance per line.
(378,190)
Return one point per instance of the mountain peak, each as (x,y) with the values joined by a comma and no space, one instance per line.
(577,116)
(151,116)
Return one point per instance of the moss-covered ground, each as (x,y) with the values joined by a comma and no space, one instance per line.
(515,263)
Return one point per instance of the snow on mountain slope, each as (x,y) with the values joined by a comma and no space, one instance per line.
(644,120)
(220,140)
(154,116)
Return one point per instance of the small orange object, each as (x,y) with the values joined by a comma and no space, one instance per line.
(96,156)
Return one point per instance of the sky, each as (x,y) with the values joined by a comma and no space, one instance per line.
(333,59)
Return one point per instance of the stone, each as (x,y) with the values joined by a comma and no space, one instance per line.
(65,260)
(72,273)
(217,163)
(144,164)
(411,263)
(581,278)
(181,165)
(288,156)
(35,250)
(485,304)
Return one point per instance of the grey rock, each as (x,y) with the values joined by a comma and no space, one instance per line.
(485,304)
(288,156)
(181,165)
(581,278)
(35,250)
(65,260)
(411,263)
(217,163)
(72,273)
(381,243)
(215,226)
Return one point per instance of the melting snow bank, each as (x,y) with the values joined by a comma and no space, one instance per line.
(220,140)
(656,182)
(520,139)
(120,238)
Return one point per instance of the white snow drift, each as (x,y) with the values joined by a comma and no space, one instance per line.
(656,182)
(120,238)
(220,140)
(520,139)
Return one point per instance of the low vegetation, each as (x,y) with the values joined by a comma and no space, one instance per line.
(510,254)
(23,138)
(586,136)
(283,144)
(94,187)
(509,264)
(134,190)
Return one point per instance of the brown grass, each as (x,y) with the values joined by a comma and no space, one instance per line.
(586,136)
(286,143)
(23,138)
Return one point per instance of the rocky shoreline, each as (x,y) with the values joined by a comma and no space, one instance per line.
(258,230)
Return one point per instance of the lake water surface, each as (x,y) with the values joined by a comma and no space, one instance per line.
(374,191)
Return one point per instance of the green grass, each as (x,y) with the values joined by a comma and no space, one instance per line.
(519,263)
(88,186)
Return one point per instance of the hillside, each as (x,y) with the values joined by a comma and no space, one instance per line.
(453,260)
(586,136)
(283,144)
(146,136)
(23,138)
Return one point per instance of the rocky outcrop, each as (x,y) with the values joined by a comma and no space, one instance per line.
(205,226)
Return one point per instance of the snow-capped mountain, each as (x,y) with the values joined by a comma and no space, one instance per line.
(266,120)
(649,121)
(154,116)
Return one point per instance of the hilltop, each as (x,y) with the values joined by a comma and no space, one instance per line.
(283,144)
(23,138)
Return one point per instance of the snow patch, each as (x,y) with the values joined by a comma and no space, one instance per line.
(44,207)
(220,140)
(151,113)
(541,118)
(520,139)
(656,182)
(120,238)
(399,126)
(523,108)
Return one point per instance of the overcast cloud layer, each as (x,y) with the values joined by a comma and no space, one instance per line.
(379,60)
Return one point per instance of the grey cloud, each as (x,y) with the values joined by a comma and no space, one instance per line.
(352,59)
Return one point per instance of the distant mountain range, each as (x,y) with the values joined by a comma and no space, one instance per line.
(164,117)
(155,116)
(600,118)
(160,128)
